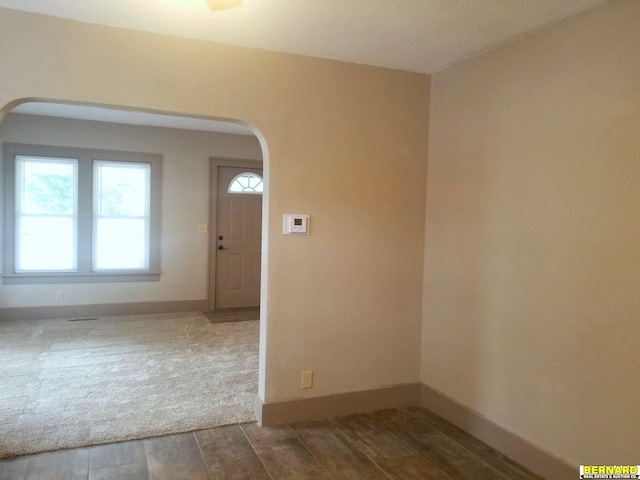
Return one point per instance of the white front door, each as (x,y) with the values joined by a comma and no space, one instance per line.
(238,237)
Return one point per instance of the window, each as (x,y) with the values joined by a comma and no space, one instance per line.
(246,182)
(46,214)
(80,215)
(121,215)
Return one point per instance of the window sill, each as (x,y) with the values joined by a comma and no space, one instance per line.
(37,278)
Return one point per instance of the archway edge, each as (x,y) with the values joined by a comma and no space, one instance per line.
(8,107)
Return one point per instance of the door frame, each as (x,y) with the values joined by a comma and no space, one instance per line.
(214,163)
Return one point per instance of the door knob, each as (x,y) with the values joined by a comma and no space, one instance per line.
(220,247)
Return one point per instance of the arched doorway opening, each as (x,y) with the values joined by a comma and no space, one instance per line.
(184,203)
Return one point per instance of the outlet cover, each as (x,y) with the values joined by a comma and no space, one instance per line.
(307,379)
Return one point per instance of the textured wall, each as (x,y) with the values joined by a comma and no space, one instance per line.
(532,269)
(344,143)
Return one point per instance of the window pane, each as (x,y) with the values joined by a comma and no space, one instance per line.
(121,215)
(122,189)
(46,185)
(121,244)
(45,243)
(246,183)
(45,214)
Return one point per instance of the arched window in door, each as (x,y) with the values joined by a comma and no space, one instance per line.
(246,182)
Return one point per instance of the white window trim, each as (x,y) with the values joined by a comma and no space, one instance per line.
(85,272)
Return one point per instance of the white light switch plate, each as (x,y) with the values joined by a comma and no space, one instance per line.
(295,224)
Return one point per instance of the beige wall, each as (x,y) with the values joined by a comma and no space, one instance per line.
(344,143)
(532,269)
(184,203)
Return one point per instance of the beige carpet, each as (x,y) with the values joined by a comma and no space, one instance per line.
(68,383)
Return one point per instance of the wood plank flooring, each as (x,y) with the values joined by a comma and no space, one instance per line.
(407,443)
(241,314)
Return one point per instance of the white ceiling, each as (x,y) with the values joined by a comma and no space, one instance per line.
(416,35)
(129,117)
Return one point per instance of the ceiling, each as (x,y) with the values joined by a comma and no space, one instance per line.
(129,117)
(423,36)
(416,35)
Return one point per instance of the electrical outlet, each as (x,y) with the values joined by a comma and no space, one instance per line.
(59,297)
(307,378)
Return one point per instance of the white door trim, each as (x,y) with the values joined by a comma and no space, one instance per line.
(214,163)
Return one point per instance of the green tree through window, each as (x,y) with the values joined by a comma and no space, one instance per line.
(50,193)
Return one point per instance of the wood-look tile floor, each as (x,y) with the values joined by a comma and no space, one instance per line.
(408,443)
(241,314)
